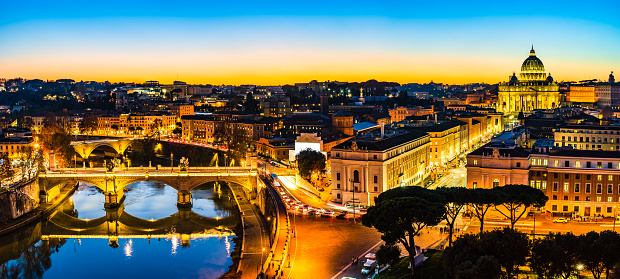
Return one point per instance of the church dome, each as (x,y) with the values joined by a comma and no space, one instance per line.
(532,68)
(513,80)
(549,78)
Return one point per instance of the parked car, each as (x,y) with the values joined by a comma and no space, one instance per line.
(560,220)
(312,212)
(343,215)
(328,213)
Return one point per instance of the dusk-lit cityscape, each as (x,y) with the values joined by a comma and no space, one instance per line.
(335,140)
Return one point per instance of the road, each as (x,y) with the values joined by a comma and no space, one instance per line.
(544,225)
(455,177)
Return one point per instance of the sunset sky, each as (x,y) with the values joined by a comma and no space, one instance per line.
(275,43)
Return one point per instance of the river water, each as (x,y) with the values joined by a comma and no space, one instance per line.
(147,237)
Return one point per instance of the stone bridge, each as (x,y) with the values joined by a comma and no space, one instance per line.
(85,148)
(112,183)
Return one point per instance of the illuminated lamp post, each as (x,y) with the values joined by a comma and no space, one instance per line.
(615,216)
(171,162)
(353,198)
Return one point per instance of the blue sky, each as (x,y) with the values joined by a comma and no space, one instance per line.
(272,42)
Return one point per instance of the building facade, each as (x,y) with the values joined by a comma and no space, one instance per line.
(136,124)
(588,137)
(400,113)
(582,93)
(373,166)
(579,183)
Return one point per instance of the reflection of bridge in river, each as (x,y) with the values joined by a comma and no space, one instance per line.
(185,224)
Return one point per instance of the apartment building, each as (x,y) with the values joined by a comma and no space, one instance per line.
(445,141)
(400,113)
(588,137)
(136,124)
(579,183)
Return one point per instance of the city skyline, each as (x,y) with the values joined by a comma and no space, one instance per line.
(275,44)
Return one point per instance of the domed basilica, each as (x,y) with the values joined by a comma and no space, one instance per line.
(534,89)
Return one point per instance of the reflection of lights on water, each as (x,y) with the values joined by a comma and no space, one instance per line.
(128,248)
(227,246)
(175,243)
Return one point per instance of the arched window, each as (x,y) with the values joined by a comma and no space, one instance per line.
(356,176)
(495,183)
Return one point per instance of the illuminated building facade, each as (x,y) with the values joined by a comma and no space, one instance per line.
(579,183)
(588,137)
(581,94)
(533,90)
(378,164)
(400,113)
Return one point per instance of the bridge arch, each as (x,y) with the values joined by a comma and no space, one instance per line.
(85,148)
(113,184)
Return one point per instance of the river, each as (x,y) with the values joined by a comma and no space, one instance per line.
(147,237)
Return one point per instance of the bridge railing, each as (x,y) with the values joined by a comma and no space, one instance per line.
(150,169)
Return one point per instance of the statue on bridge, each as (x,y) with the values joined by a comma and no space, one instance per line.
(183,164)
(109,165)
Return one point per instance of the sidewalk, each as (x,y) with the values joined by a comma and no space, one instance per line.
(276,262)
(253,237)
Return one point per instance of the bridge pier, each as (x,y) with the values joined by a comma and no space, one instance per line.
(114,199)
(184,199)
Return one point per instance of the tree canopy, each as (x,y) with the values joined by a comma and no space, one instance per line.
(310,161)
(402,218)
(514,200)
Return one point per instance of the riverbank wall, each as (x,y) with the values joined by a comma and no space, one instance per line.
(18,200)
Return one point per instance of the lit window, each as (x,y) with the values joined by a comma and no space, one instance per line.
(598,199)
(565,186)
(578,164)
(599,177)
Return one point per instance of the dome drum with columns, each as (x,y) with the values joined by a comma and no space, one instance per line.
(533,90)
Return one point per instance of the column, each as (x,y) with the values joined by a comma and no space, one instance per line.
(114,199)
(184,199)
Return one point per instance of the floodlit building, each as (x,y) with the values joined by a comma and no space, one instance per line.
(534,89)
(588,137)
(378,163)
(579,183)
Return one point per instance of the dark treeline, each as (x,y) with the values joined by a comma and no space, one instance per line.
(500,253)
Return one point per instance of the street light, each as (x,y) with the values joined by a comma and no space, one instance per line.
(171,162)
(615,216)
(353,198)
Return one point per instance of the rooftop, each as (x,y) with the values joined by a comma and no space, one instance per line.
(385,143)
